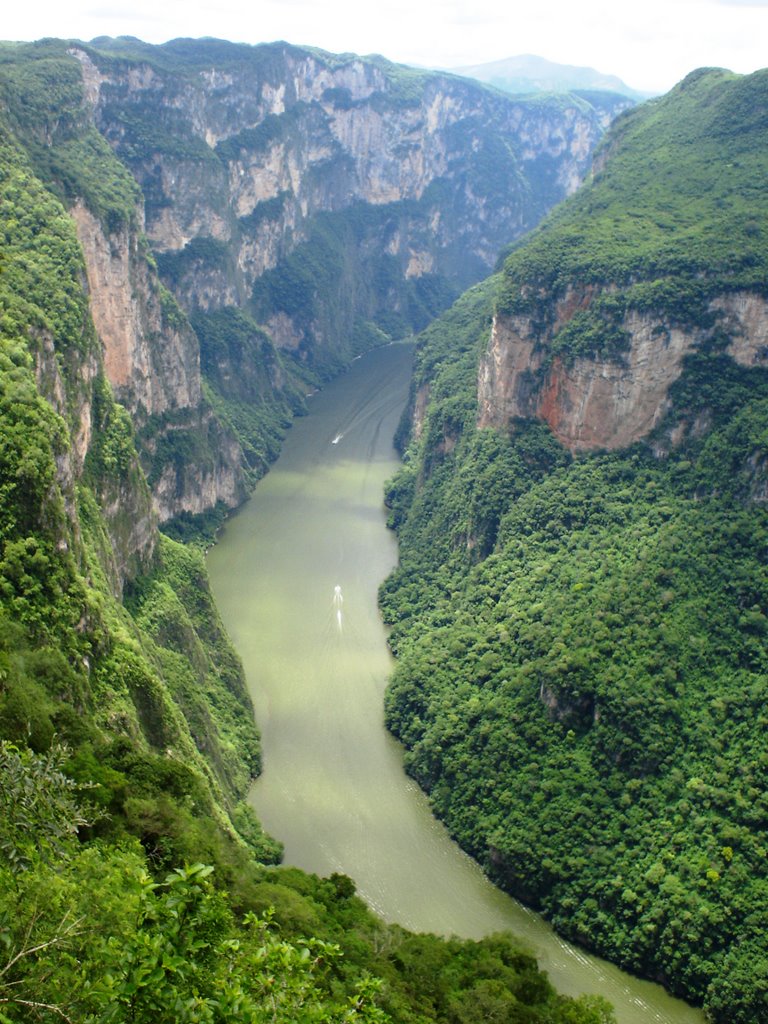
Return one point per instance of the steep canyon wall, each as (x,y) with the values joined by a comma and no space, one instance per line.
(609,401)
(253,217)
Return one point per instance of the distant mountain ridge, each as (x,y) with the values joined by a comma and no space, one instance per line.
(528,73)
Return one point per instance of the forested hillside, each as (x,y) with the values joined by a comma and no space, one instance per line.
(135,882)
(580,612)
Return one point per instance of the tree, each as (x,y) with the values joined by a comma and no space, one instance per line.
(39,809)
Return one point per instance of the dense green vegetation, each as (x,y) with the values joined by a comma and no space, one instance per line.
(78,666)
(674,215)
(582,676)
(135,881)
(252,388)
(587,710)
(90,933)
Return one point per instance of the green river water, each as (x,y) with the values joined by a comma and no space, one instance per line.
(295,575)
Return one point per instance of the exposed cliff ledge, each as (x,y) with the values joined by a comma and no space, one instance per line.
(604,402)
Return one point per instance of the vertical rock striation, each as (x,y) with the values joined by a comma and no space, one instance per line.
(611,401)
(330,195)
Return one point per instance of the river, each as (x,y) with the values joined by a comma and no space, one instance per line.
(295,576)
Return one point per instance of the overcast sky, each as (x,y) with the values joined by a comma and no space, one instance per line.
(650,44)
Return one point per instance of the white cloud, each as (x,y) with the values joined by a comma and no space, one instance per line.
(650,45)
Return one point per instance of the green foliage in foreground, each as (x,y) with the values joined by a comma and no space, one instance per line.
(92,936)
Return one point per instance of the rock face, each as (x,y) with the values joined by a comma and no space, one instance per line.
(152,360)
(70,384)
(610,402)
(188,486)
(421,179)
(148,378)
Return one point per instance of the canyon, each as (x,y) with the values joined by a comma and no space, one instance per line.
(336,202)
(199,236)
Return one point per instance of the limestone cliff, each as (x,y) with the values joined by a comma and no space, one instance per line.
(126,304)
(66,443)
(151,679)
(152,360)
(74,384)
(336,197)
(605,402)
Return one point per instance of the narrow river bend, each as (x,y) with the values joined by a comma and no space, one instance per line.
(295,576)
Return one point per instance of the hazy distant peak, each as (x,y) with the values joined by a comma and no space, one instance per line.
(528,73)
